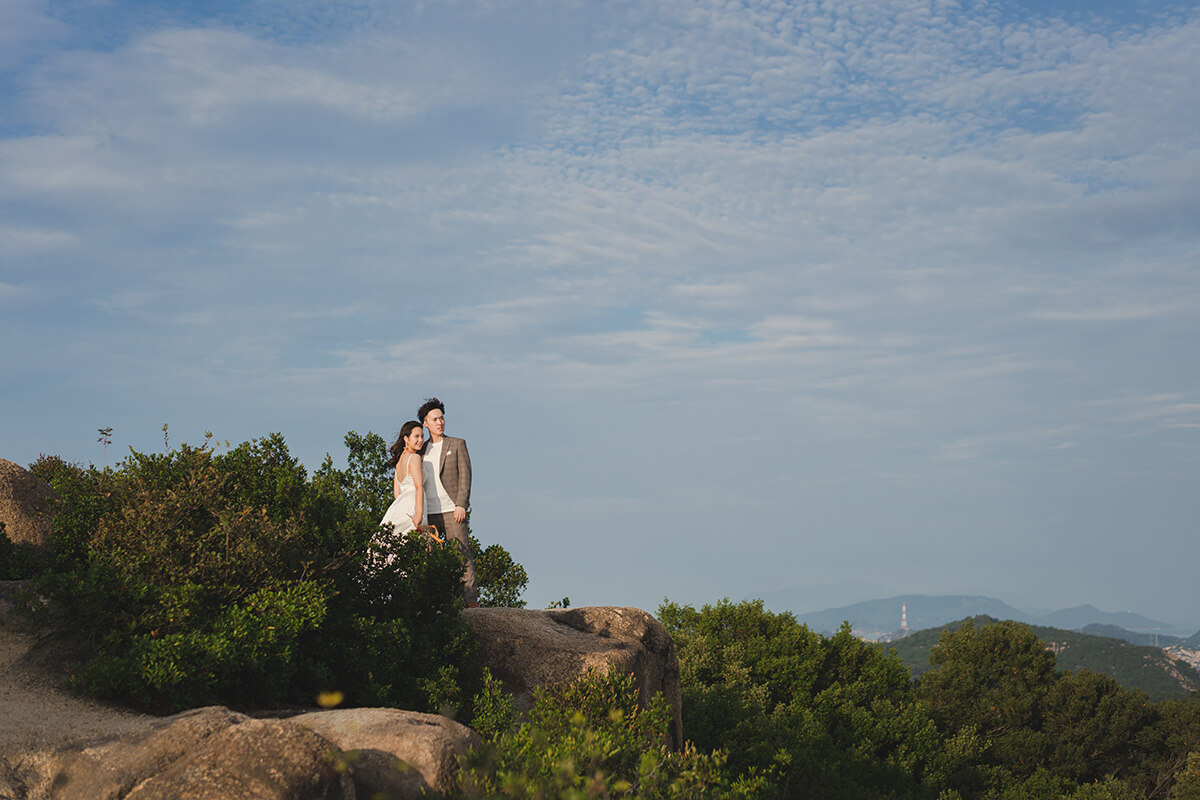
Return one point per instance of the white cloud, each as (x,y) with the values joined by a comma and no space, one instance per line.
(1116,313)
(26,28)
(10,291)
(22,239)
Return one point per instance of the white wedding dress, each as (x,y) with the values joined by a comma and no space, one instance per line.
(399,513)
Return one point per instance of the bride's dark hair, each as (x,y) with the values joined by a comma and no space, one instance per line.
(397,448)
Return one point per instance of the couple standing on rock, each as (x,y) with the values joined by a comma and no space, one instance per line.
(432,484)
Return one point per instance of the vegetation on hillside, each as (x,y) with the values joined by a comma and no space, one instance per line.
(992,718)
(233,577)
(590,740)
(1132,666)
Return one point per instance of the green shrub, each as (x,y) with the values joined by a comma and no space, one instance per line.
(499,579)
(830,717)
(232,578)
(589,740)
(82,496)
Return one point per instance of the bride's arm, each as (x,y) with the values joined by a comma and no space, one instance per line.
(414,469)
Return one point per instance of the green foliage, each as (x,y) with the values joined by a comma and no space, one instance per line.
(1047,733)
(590,740)
(1133,666)
(82,497)
(1187,783)
(823,716)
(366,483)
(1094,727)
(499,579)
(232,578)
(994,681)
(495,710)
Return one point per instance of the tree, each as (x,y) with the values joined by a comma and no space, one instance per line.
(1094,727)
(590,739)
(832,717)
(499,579)
(994,681)
(205,578)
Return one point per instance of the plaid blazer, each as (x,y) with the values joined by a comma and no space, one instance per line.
(455,470)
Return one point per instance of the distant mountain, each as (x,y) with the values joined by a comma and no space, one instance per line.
(876,618)
(1133,637)
(1076,618)
(1133,666)
(811,597)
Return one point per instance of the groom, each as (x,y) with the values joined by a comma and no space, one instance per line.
(448,495)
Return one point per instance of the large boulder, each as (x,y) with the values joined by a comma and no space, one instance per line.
(204,753)
(395,754)
(25,505)
(215,753)
(526,649)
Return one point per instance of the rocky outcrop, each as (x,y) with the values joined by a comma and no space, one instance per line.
(527,649)
(217,753)
(24,505)
(364,753)
(205,753)
(394,753)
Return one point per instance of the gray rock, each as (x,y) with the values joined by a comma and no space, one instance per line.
(526,649)
(395,754)
(25,505)
(257,759)
(108,769)
(204,753)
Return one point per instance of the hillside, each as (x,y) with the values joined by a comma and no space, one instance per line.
(873,619)
(1155,640)
(1133,637)
(1076,618)
(1133,666)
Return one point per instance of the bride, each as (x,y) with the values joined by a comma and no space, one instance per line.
(407,511)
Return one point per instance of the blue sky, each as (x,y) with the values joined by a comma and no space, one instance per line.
(726,297)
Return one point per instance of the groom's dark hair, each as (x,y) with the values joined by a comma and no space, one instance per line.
(430,404)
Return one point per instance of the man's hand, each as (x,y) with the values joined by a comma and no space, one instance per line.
(460,514)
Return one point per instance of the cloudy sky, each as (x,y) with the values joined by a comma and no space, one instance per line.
(728,298)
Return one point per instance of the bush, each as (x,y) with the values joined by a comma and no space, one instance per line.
(231,578)
(588,740)
(499,579)
(830,717)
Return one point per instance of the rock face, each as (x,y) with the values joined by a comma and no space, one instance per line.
(217,753)
(332,755)
(24,505)
(395,753)
(205,753)
(527,649)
